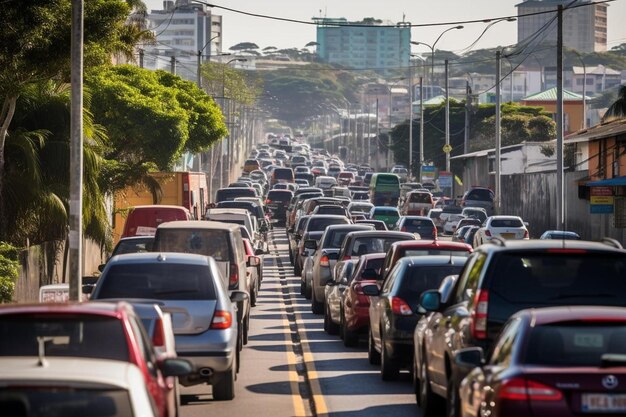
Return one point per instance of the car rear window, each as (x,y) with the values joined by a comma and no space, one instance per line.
(420,198)
(337,210)
(133,246)
(279,195)
(158,281)
(480,195)
(63,400)
(207,242)
(319,224)
(413,225)
(575,344)
(522,280)
(336,238)
(365,245)
(419,278)
(506,223)
(283,174)
(230,193)
(78,335)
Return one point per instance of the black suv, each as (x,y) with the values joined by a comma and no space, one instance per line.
(498,280)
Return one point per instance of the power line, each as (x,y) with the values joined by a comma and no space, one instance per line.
(340,24)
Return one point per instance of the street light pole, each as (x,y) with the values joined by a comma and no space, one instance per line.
(208,58)
(410,120)
(447,118)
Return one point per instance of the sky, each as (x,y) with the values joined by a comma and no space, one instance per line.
(265,32)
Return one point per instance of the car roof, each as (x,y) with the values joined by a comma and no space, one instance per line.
(443,244)
(160,257)
(557,245)
(94,308)
(131,238)
(416,218)
(381,233)
(328,216)
(159,206)
(355,227)
(433,260)
(384,208)
(370,256)
(69,370)
(551,315)
(198,224)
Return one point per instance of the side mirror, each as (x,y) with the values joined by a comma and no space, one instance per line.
(310,244)
(371,290)
(253,261)
(239,296)
(369,274)
(101,267)
(430,300)
(175,367)
(469,358)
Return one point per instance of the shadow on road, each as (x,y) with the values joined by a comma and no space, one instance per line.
(405,410)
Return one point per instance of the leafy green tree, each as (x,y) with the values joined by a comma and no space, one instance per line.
(617,110)
(35,46)
(9,269)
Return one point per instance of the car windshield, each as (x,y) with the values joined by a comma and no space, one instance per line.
(547,279)
(413,225)
(158,281)
(575,344)
(506,223)
(420,198)
(365,245)
(64,335)
(57,399)
(133,246)
(207,242)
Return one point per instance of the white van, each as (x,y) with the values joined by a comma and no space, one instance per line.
(325,182)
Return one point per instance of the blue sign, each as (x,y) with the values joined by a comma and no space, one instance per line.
(601,208)
(445,181)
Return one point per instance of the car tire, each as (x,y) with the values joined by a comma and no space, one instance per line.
(308,291)
(224,385)
(316,306)
(253,294)
(429,402)
(303,286)
(350,339)
(453,406)
(297,269)
(389,369)
(246,328)
(333,329)
(373,356)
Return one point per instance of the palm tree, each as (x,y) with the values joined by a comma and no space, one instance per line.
(617,110)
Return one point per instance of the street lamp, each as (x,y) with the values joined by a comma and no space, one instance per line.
(208,57)
(432,51)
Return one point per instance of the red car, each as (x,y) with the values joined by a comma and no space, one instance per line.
(421,248)
(91,330)
(355,317)
(554,361)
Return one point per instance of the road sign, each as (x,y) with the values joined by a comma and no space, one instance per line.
(428,173)
(447,148)
(601,200)
(445,179)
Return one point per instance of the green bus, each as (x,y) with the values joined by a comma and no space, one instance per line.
(384,189)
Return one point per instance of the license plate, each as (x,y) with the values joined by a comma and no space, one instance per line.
(608,403)
(508,235)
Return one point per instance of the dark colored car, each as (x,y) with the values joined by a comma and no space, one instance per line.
(317,223)
(500,279)
(277,202)
(394,308)
(355,315)
(295,236)
(479,197)
(555,361)
(469,236)
(229,194)
(421,225)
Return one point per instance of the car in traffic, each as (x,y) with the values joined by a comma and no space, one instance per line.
(389,215)
(394,311)
(277,202)
(423,227)
(417,203)
(479,197)
(205,331)
(503,227)
(556,361)
(500,279)
(333,291)
(560,234)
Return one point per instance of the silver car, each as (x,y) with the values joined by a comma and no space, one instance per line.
(190,288)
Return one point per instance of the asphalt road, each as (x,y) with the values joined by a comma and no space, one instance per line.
(291,367)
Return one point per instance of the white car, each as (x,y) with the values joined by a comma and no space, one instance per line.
(504,227)
(449,227)
(109,387)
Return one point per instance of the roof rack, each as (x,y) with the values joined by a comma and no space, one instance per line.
(612,242)
(497,240)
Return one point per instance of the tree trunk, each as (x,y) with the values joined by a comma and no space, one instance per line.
(6,115)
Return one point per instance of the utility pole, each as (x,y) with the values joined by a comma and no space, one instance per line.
(421,159)
(468,106)
(368,146)
(199,75)
(76,154)
(447,118)
(410,121)
(377,138)
(560,194)
(140,58)
(498,139)
(173,65)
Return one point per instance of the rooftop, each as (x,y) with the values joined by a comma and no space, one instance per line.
(551,95)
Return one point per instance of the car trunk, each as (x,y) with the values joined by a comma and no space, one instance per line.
(190,316)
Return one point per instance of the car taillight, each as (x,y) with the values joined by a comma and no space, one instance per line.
(221,320)
(268,201)
(526,234)
(434,232)
(233,279)
(487,232)
(518,389)
(400,307)
(403,229)
(158,338)
(324,260)
(478,318)
(347,258)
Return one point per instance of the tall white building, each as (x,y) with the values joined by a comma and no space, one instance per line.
(584,27)
(182,30)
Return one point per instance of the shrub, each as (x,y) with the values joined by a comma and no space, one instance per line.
(9,270)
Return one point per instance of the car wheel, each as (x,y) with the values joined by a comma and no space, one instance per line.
(224,385)
(307,290)
(290,257)
(350,339)
(429,403)
(333,328)
(253,294)
(297,269)
(452,399)
(316,306)
(389,369)
(372,354)
(303,286)
(246,328)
